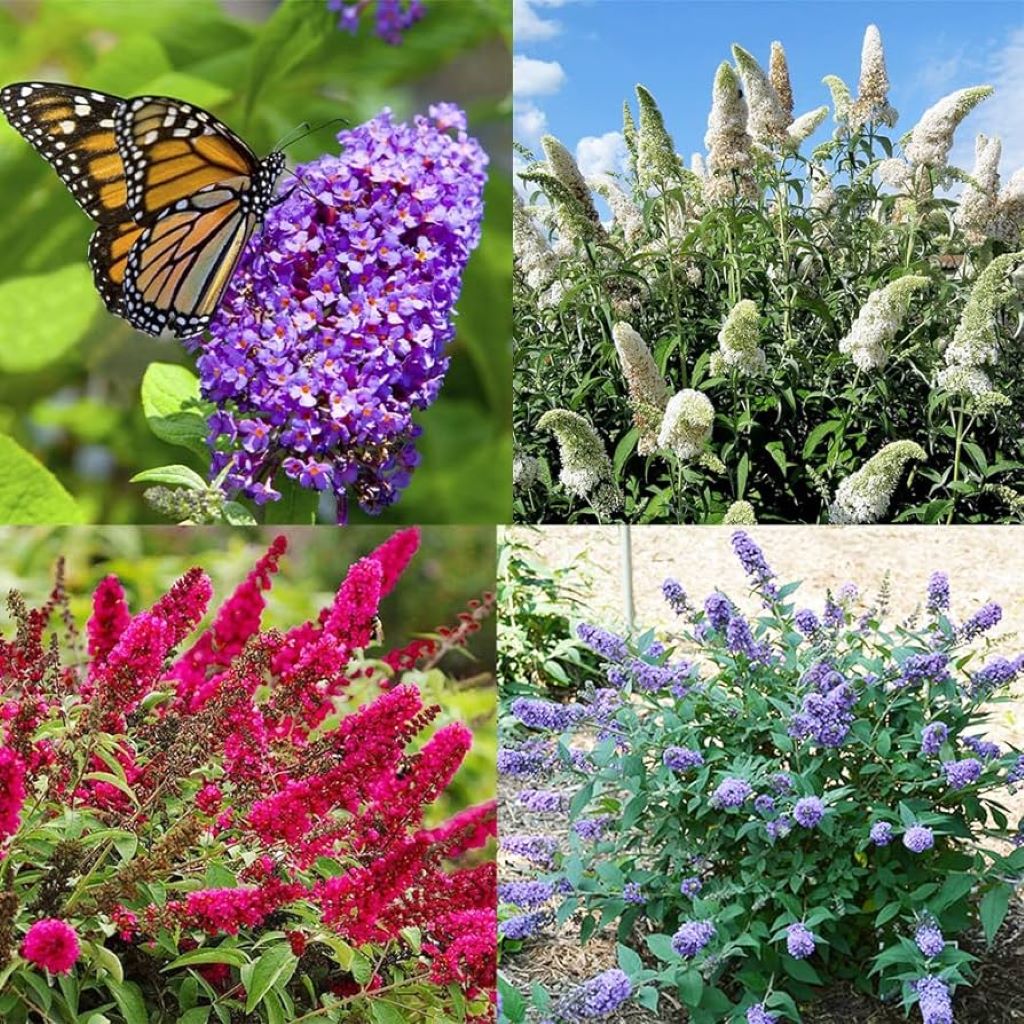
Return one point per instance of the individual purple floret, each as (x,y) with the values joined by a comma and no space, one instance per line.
(682,759)
(732,793)
(999,672)
(526,894)
(335,327)
(536,849)
(592,829)
(675,596)
(391,17)
(718,609)
(921,668)
(807,622)
(918,838)
(692,937)
(764,804)
(758,1014)
(691,886)
(932,738)
(985,749)
(960,774)
(929,938)
(522,926)
(809,811)
(881,833)
(984,619)
(546,714)
(938,592)
(543,801)
(596,998)
(755,565)
(601,641)
(1016,773)
(632,893)
(934,1001)
(799,941)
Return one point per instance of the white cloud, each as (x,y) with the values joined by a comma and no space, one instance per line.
(529,26)
(529,122)
(532,77)
(602,154)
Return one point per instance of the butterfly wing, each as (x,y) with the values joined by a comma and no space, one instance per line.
(74,130)
(172,150)
(178,268)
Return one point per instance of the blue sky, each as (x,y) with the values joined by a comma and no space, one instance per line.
(577,60)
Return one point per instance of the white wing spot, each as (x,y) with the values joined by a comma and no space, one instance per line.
(82,110)
(67,127)
(26,90)
(151,137)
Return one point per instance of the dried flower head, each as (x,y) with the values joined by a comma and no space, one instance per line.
(932,137)
(738,349)
(686,425)
(864,496)
(879,319)
(646,387)
(778,75)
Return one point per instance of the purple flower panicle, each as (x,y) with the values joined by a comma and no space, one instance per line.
(881,833)
(526,894)
(932,738)
(682,759)
(809,811)
(731,793)
(918,838)
(691,886)
(536,849)
(602,642)
(757,1014)
(692,937)
(960,774)
(933,1000)
(523,926)
(929,939)
(391,17)
(984,619)
(799,941)
(675,596)
(938,592)
(755,564)
(596,998)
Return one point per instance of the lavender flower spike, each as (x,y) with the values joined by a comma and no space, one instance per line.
(335,327)
(392,17)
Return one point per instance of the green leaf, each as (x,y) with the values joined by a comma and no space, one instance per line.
(105,958)
(170,400)
(818,434)
(298,505)
(29,492)
(386,1013)
(274,967)
(200,91)
(197,1015)
(629,960)
(128,997)
(513,1004)
(236,514)
(661,947)
(44,316)
(175,476)
(691,987)
(362,967)
(801,970)
(217,955)
(993,910)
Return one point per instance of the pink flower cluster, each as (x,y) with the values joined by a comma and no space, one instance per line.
(51,944)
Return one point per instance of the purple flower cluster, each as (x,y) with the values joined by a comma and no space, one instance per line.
(682,759)
(934,1001)
(960,774)
(692,937)
(546,714)
(755,565)
(764,804)
(526,894)
(918,838)
(391,17)
(758,1014)
(740,640)
(602,642)
(732,793)
(984,619)
(536,849)
(834,615)
(938,592)
(929,938)
(335,325)
(718,609)
(676,677)
(932,738)
(827,718)
(598,997)
(799,941)
(922,668)
(779,828)
(632,893)
(675,596)
(985,749)
(1016,773)
(807,622)
(543,801)
(691,886)
(782,782)
(533,758)
(809,811)
(999,672)
(592,829)
(523,926)
(881,833)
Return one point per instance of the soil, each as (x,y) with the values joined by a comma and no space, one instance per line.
(983,563)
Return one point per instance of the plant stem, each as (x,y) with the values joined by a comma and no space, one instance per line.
(956,460)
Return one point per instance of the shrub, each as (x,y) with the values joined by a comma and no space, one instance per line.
(808,798)
(241,829)
(757,329)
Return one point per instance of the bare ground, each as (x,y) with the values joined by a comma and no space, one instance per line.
(983,563)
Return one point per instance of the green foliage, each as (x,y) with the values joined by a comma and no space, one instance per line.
(29,492)
(809,237)
(70,374)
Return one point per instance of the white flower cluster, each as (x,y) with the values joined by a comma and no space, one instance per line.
(804,127)
(978,203)
(627,216)
(740,513)
(656,162)
(766,120)
(737,340)
(864,496)
(1008,223)
(872,103)
(586,469)
(879,319)
(932,137)
(536,262)
(729,159)
(647,390)
(525,469)
(897,174)
(564,167)
(687,423)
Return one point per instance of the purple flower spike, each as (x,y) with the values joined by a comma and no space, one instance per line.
(335,326)
(391,17)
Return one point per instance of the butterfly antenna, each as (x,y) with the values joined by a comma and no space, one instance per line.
(305,129)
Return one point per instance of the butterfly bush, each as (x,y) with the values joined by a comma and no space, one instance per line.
(809,265)
(334,329)
(819,805)
(390,17)
(199,810)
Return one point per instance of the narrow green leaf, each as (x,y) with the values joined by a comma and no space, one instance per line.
(993,910)
(274,967)
(217,955)
(175,476)
(29,492)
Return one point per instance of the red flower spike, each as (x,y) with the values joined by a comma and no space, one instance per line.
(110,618)
(394,555)
(12,792)
(354,611)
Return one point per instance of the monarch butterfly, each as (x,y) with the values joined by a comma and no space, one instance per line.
(175,195)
